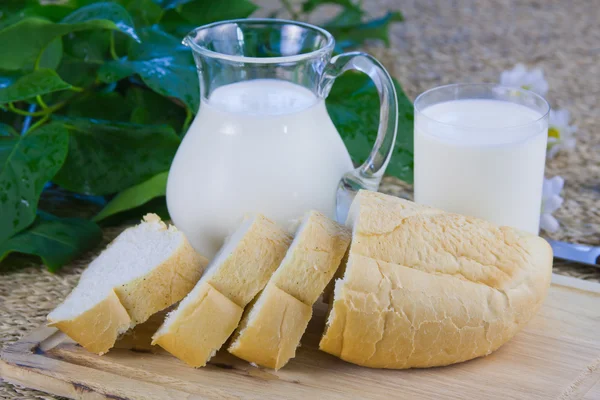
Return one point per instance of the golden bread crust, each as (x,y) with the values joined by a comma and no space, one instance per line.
(426,288)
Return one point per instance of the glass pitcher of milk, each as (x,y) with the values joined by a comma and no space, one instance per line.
(262,140)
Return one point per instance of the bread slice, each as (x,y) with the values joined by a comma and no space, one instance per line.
(425,288)
(206,318)
(273,326)
(144,270)
(271,331)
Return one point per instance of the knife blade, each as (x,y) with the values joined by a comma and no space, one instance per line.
(579,253)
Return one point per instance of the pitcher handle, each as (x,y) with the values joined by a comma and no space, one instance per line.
(368,175)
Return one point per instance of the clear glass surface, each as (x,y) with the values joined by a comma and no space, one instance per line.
(241,50)
(480,150)
(262,140)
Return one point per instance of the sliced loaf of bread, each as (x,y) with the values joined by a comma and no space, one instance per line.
(272,327)
(206,318)
(144,270)
(425,288)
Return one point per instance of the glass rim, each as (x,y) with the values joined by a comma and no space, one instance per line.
(530,93)
(328,47)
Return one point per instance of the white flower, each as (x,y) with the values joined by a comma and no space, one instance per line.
(520,77)
(560,133)
(551,201)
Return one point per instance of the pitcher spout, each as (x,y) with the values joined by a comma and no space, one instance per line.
(187,41)
(196,39)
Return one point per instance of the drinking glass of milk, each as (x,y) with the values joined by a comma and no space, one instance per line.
(480,150)
(262,140)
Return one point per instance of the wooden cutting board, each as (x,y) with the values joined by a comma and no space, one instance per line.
(557,356)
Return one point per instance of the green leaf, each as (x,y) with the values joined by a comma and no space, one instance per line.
(161,75)
(24,42)
(169,4)
(153,109)
(57,241)
(157,43)
(349,17)
(175,24)
(53,12)
(144,12)
(348,34)
(205,12)
(163,63)
(107,106)
(51,57)
(77,72)
(7,130)
(42,81)
(26,164)
(353,105)
(135,196)
(7,78)
(158,206)
(8,18)
(12,122)
(104,11)
(114,71)
(106,157)
(187,15)
(88,46)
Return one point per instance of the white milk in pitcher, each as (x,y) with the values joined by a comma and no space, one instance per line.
(483,158)
(264,146)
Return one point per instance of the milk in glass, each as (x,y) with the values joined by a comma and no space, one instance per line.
(482,157)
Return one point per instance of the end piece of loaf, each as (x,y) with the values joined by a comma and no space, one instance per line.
(209,314)
(273,325)
(144,270)
(425,288)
